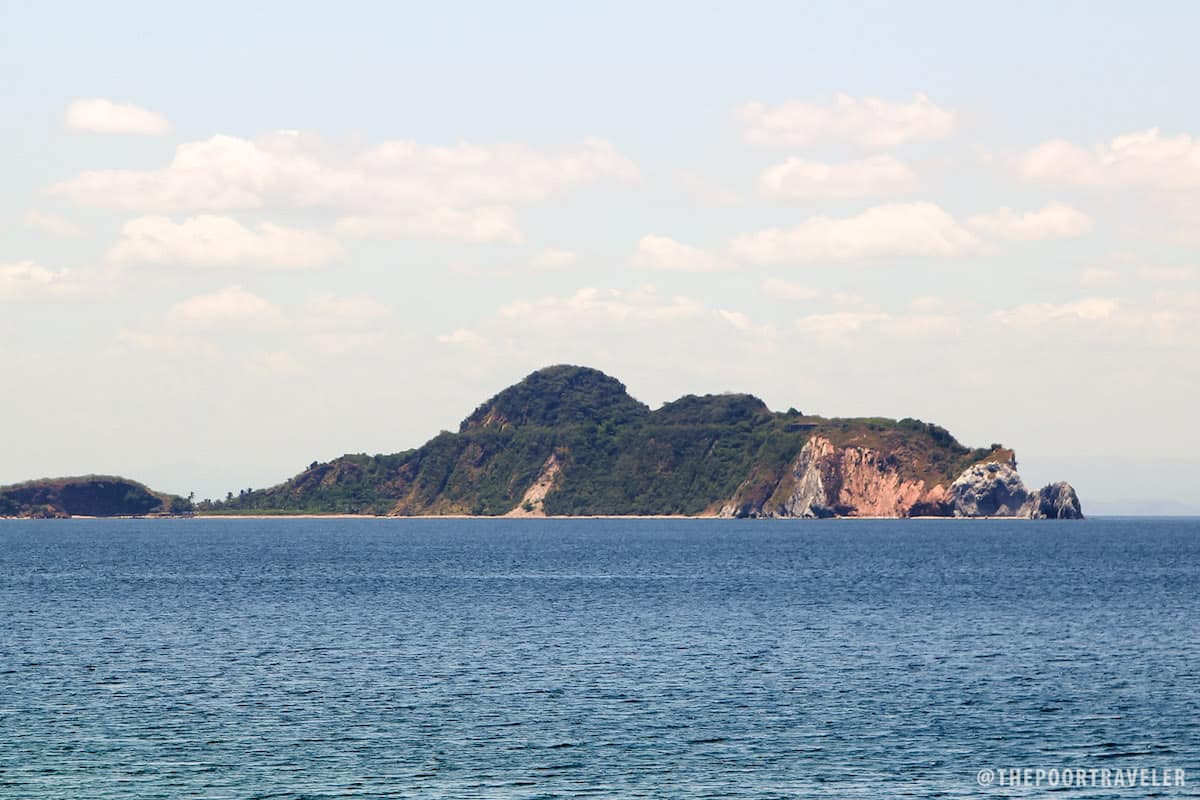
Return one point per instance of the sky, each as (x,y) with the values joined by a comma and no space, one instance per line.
(236,238)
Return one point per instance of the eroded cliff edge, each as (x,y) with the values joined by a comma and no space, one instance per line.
(571,441)
(857,481)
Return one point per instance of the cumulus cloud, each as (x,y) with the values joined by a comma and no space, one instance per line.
(165,344)
(51,224)
(97,115)
(1167,274)
(1032,315)
(342,324)
(27,278)
(232,307)
(343,342)
(840,326)
(924,325)
(874,176)
(837,325)
(355,310)
(215,241)
(491,224)
(1055,221)
(736,318)
(1097,276)
(789,290)
(1145,159)
(869,122)
(291,170)
(275,362)
(893,230)
(660,253)
(642,305)
(553,259)
(705,191)
(463,337)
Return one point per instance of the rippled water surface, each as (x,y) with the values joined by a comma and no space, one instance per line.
(591,658)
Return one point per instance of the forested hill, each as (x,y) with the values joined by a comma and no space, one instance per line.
(570,440)
(88,496)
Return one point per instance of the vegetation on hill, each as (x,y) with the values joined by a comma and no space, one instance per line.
(614,455)
(89,496)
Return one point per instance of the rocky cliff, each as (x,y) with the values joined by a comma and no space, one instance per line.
(827,481)
(571,441)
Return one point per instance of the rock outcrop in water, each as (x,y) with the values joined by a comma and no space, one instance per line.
(996,490)
(571,441)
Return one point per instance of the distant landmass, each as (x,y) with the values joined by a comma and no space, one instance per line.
(87,496)
(571,441)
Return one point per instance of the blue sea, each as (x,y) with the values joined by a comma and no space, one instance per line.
(383,658)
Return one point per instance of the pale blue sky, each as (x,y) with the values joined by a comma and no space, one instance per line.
(164,333)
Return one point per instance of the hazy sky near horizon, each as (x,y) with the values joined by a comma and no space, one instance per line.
(234,239)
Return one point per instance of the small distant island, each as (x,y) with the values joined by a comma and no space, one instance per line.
(88,496)
(571,441)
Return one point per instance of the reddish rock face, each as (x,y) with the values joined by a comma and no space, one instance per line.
(825,480)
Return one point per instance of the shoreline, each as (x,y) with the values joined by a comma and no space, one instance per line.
(524,517)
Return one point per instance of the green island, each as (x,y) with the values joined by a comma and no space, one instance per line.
(88,496)
(571,441)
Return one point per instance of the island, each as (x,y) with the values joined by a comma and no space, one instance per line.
(88,496)
(571,441)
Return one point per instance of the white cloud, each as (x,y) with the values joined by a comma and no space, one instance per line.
(705,191)
(788,290)
(1096,276)
(894,230)
(51,224)
(847,299)
(275,362)
(290,170)
(230,307)
(336,343)
(926,302)
(27,278)
(837,325)
(490,224)
(1055,221)
(348,308)
(736,318)
(463,337)
(1145,159)
(1167,274)
(641,305)
(165,344)
(1032,315)
(98,115)
(553,259)
(208,240)
(869,122)
(923,326)
(662,254)
(874,176)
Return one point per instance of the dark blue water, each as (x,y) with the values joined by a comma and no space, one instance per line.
(592,658)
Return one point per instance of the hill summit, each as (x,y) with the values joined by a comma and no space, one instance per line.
(570,440)
(558,396)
